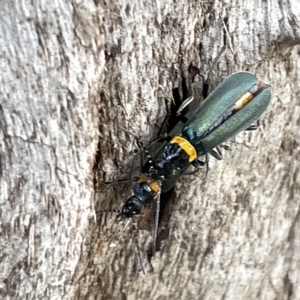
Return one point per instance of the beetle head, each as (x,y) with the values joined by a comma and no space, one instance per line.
(132,207)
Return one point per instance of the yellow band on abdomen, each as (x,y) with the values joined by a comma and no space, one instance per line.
(243,100)
(154,185)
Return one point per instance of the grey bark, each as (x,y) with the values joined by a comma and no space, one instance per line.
(72,75)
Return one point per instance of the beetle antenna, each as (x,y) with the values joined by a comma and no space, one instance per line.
(214,64)
(108,211)
(142,148)
(155,228)
(146,151)
(136,237)
(226,34)
(207,80)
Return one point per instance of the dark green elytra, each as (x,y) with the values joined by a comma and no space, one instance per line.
(219,101)
(216,104)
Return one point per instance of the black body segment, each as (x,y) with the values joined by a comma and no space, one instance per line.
(144,191)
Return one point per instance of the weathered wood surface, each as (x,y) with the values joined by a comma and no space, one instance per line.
(72,75)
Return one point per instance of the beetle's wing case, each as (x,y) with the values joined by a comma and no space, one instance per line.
(217,104)
(220,100)
(240,121)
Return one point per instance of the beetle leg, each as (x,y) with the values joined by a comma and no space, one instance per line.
(207,80)
(120,181)
(108,211)
(197,163)
(252,127)
(184,104)
(225,147)
(216,154)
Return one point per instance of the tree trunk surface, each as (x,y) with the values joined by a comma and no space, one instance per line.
(74,74)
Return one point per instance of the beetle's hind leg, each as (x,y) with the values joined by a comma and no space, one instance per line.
(216,153)
(197,164)
(252,127)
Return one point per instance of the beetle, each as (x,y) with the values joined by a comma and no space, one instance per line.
(232,107)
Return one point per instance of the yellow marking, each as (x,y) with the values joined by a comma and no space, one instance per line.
(154,185)
(246,98)
(144,178)
(186,146)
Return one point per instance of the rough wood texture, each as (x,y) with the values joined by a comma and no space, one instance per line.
(72,75)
